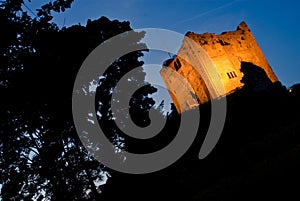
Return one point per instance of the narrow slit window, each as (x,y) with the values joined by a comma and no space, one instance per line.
(234,73)
(177,64)
(229,75)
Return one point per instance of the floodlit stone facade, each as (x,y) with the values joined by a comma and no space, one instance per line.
(227,51)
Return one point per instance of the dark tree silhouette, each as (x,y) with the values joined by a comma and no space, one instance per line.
(41,154)
(255,78)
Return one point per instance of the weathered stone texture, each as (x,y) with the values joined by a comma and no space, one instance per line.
(227,50)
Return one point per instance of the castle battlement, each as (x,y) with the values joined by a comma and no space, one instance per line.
(227,51)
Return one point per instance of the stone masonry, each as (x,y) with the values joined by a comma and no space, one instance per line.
(227,50)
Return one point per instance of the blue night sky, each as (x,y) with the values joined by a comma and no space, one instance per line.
(274,24)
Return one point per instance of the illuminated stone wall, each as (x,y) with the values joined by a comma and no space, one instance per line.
(227,51)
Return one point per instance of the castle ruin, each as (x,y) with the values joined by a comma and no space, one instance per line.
(227,51)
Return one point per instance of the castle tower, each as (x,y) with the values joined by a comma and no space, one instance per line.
(227,51)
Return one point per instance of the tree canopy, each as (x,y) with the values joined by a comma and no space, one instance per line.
(41,154)
(42,158)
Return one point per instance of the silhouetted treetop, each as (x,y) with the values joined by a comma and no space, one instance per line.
(40,152)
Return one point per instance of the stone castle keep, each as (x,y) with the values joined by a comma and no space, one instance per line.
(227,51)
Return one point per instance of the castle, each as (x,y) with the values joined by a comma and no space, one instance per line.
(228,51)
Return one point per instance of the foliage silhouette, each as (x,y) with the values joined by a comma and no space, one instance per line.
(41,155)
